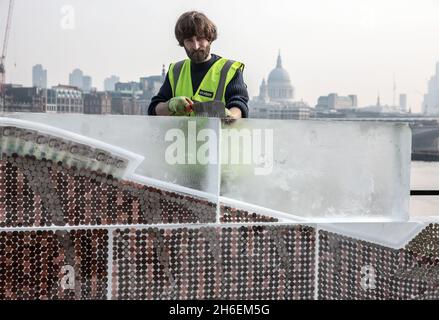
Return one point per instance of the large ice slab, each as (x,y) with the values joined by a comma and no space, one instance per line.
(150,137)
(395,235)
(319,170)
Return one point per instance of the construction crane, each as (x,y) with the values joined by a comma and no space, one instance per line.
(5,48)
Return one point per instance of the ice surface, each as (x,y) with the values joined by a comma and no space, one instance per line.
(395,234)
(318,171)
(144,136)
(346,171)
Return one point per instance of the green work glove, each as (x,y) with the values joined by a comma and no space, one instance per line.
(178,106)
(229,117)
(228,113)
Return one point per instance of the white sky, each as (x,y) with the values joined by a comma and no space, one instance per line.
(343,46)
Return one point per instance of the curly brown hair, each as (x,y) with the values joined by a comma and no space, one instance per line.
(194,23)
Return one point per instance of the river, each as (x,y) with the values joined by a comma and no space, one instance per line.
(424,176)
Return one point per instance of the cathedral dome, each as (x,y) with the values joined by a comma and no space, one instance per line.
(279,74)
(279,85)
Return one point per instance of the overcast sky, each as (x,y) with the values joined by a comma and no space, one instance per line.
(343,46)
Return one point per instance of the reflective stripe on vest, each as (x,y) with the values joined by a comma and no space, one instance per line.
(213,85)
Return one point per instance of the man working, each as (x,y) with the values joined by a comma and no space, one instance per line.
(203,77)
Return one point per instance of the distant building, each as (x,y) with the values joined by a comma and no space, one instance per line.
(79,80)
(279,88)
(24,99)
(125,104)
(430,105)
(129,88)
(64,99)
(110,83)
(380,108)
(39,77)
(86,84)
(276,98)
(403,102)
(151,85)
(76,78)
(133,98)
(97,103)
(142,105)
(51,100)
(335,102)
(296,110)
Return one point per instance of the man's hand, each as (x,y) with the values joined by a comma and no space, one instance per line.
(180,106)
(229,113)
(232,114)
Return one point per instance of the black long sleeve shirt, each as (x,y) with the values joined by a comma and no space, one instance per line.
(236,94)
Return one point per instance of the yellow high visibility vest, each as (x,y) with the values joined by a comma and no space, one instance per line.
(212,87)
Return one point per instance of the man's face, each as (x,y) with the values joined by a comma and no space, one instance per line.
(197,48)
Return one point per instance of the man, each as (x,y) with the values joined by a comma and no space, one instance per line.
(203,77)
